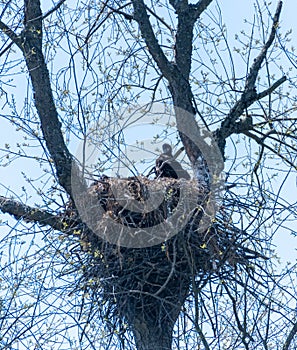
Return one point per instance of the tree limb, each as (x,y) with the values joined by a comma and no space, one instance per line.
(30,214)
(10,33)
(249,95)
(142,18)
(30,42)
(290,337)
(120,12)
(271,88)
(187,16)
(44,101)
(260,141)
(159,18)
(182,5)
(176,73)
(255,68)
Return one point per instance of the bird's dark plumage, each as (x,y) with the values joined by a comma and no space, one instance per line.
(167,166)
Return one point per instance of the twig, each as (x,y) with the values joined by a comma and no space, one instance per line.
(55,8)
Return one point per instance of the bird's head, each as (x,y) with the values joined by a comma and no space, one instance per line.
(167,149)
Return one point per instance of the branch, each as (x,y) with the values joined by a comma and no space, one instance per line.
(273,87)
(178,5)
(6,48)
(161,20)
(142,18)
(176,74)
(43,96)
(200,6)
(249,95)
(187,16)
(95,26)
(30,43)
(30,214)
(182,5)
(120,12)
(250,83)
(10,33)
(179,86)
(242,327)
(260,141)
(291,335)
(55,8)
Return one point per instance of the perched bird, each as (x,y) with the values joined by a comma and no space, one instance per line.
(168,166)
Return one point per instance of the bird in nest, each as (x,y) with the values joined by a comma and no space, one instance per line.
(168,166)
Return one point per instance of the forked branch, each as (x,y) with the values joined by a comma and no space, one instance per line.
(249,95)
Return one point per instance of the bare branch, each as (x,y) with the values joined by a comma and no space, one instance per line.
(10,33)
(177,74)
(200,6)
(161,20)
(187,16)
(6,48)
(30,214)
(249,95)
(291,336)
(55,8)
(184,41)
(97,25)
(178,4)
(255,68)
(44,101)
(142,18)
(273,87)
(241,326)
(260,141)
(182,5)
(120,12)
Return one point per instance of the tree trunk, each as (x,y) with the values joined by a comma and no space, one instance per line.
(151,336)
(152,317)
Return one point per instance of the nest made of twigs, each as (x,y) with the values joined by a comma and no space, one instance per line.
(164,270)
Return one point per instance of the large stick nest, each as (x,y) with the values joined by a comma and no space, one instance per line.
(164,270)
